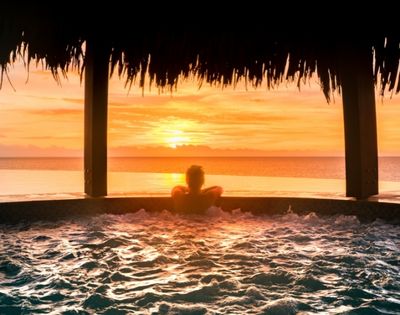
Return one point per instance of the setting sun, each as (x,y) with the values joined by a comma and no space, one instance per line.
(173,132)
(173,142)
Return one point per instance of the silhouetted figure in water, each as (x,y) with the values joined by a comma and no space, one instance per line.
(193,199)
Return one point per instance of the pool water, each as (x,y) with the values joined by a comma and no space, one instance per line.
(218,263)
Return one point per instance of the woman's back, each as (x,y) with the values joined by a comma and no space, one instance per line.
(193,203)
(193,199)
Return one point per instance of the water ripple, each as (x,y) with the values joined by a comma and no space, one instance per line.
(219,263)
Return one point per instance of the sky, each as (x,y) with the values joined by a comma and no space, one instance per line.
(43,118)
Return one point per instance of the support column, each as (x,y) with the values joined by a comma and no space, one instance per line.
(96,101)
(359,121)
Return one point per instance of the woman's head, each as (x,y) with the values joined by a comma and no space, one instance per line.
(195,177)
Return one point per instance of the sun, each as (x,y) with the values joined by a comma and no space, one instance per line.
(173,132)
(176,139)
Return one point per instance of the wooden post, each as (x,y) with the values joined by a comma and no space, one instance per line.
(96,100)
(359,121)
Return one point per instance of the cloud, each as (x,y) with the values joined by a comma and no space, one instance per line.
(206,151)
(145,151)
(55,111)
(35,151)
(50,137)
(79,101)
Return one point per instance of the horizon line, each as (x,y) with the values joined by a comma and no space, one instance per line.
(192,156)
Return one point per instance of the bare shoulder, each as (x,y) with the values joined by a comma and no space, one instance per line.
(215,191)
(179,190)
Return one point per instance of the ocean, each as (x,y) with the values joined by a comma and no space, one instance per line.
(37,178)
(216,263)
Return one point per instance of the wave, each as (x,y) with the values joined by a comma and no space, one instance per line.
(219,262)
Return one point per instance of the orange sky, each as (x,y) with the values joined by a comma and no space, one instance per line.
(43,118)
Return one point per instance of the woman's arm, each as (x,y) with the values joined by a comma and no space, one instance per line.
(215,191)
(179,190)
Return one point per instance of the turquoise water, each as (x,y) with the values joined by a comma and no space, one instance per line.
(218,263)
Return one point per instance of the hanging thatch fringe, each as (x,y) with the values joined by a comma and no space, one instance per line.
(220,58)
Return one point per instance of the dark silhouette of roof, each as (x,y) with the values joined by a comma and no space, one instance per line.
(219,56)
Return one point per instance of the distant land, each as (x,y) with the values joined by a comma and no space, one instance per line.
(146,151)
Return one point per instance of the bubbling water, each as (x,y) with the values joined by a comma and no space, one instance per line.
(217,263)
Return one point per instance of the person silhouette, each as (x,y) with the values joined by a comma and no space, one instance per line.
(193,199)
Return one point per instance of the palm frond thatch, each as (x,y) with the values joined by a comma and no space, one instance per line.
(217,57)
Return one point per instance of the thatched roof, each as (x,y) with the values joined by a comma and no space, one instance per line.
(217,57)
